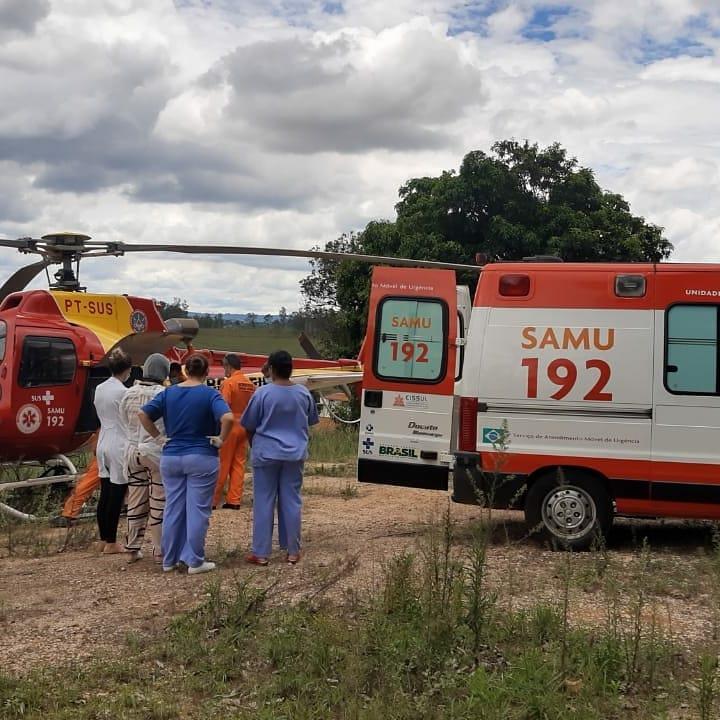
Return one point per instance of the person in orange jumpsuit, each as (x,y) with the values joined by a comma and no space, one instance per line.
(82,490)
(236,389)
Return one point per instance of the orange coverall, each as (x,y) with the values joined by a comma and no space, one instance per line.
(84,488)
(237,390)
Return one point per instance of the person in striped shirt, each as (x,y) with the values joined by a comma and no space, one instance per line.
(146,495)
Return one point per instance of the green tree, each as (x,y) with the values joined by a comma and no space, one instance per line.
(176,309)
(206,320)
(297,321)
(283,316)
(518,200)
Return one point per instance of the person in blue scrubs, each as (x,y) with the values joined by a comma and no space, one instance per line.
(277,421)
(197,420)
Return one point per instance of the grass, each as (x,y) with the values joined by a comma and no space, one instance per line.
(433,640)
(333,446)
(322,488)
(332,453)
(36,538)
(257,340)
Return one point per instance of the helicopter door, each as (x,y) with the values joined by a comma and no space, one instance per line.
(47,395)
(88,421)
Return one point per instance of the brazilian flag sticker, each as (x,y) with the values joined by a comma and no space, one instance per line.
(491,435)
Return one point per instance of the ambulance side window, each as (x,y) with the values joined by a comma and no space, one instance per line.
(47,361)
(691,349)
(411,340)
(3,335)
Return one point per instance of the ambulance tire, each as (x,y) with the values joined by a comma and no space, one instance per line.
(572,510)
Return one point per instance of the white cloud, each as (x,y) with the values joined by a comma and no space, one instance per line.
(21,16)
(507,23)
(349,91)
(289,122)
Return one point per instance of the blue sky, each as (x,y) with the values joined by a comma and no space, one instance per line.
(289,122)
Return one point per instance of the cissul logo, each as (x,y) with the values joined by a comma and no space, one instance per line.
(397,452)
(399,401)
(491,435)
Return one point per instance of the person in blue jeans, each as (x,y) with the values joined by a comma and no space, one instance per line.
(197,420)
(277,421)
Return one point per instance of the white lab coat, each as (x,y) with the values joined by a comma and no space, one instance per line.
(110,451)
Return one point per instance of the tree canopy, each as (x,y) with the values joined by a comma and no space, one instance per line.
(518,200)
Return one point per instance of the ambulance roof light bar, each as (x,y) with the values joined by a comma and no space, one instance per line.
(526,259)
(543,259)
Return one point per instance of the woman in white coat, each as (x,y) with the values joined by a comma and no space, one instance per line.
(110,451)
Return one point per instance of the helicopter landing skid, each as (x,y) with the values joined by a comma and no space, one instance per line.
(56,470)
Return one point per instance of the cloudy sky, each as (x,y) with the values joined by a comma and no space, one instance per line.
(287,122)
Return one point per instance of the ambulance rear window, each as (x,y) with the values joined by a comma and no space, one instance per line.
(411,340)
(691,349)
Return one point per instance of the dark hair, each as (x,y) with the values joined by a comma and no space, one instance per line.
(196,366)
(234,361)
(119,361)
(175,367)
(281,362)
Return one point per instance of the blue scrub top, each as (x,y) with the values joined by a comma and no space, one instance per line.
(280,416)
(191,414)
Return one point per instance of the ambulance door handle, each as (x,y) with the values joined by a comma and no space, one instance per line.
(671,368)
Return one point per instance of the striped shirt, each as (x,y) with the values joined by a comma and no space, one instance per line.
(139,440)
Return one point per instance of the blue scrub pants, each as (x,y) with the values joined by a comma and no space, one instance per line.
(189,482)
(277,482)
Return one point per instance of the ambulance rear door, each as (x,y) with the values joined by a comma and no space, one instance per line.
(409,379)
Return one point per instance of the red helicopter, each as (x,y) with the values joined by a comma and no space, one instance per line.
(53,344)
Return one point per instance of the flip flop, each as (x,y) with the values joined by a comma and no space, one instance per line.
(293,559)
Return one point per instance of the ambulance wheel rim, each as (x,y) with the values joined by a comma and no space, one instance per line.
(569,512)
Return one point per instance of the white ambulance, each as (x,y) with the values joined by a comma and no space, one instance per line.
(573,392)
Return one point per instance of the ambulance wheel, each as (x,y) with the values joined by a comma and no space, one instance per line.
(572,510)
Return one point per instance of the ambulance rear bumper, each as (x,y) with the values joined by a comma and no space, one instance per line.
(413,475)
(471,485)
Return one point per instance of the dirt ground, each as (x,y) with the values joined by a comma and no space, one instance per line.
(72,605)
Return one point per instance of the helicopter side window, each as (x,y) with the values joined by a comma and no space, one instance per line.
(3,335)
(47,361)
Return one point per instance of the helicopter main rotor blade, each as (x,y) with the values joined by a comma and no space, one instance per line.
(19,244)
(280,252)
(21,278)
